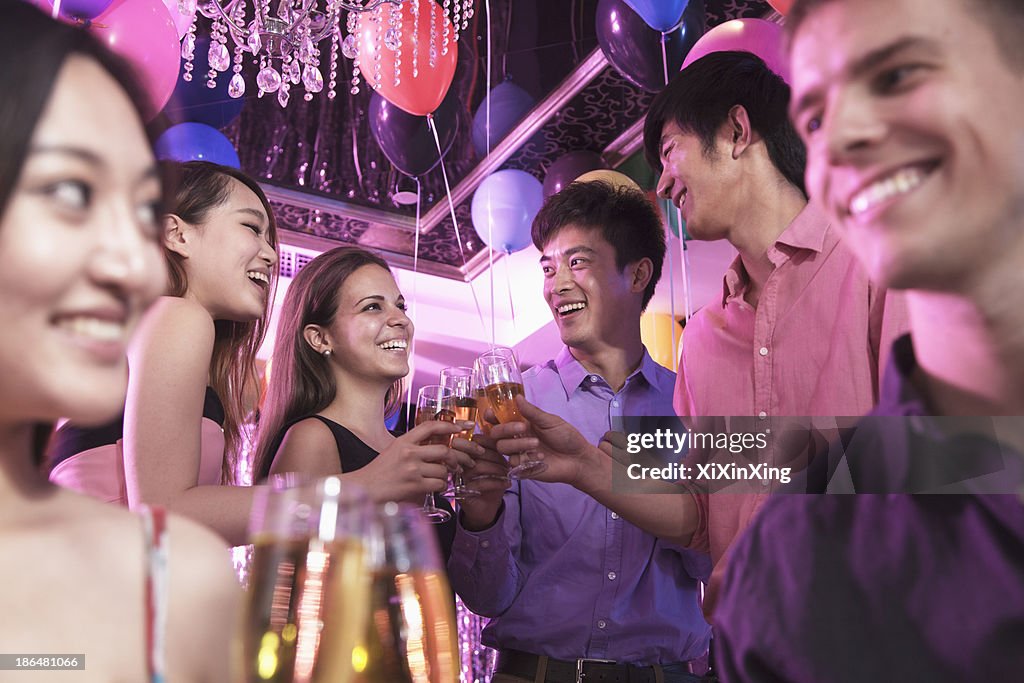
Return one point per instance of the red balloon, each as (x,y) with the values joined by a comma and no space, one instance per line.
(141,31)
(418,94)
(781,6)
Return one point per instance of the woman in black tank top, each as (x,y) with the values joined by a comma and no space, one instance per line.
(341,352)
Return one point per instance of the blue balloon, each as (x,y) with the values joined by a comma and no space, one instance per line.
(196,142)
(509,103)
(661,15)
(508,201)
(195,101)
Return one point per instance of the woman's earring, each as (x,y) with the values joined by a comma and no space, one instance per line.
(327,353)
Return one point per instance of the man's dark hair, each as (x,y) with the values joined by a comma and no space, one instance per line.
(1004,17)
(698,100)
(623,216)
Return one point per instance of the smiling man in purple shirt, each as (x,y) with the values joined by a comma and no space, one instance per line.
(911,112)
(565,580)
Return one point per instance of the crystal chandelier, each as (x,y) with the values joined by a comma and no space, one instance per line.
(286,36)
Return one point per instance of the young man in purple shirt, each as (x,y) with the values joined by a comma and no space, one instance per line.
(911,112)
(573,589)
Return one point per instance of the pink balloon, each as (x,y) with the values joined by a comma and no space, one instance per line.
(141,31)
(763,38)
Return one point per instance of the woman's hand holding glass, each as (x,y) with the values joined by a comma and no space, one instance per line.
(414,465)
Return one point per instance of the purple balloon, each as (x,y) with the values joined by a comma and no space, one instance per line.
(405,138)
(503,209)
(763,38)
(81,9)
(568,168)
(634,48)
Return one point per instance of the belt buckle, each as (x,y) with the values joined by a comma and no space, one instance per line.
(580,663)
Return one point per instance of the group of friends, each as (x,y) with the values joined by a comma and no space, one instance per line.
(877,207)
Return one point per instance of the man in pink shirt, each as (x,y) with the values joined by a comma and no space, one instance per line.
(799,329)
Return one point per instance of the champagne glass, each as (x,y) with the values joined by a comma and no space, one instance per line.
(460,381)
(308,604)
(435,402)
(411,636)
(499,375)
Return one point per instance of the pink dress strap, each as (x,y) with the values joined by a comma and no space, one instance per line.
(156,544)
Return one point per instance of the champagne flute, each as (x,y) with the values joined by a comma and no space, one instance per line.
(411,636)
(499,374)
(308,604)
(435,402)
(460,381)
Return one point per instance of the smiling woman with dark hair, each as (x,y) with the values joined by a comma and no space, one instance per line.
(79,263)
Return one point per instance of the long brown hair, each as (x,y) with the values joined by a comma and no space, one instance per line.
(200,187)
(301,383)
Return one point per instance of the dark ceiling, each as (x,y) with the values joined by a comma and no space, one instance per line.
(331,184)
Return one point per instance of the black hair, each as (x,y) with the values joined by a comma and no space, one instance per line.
(34,48)
(623,216)
(698,100)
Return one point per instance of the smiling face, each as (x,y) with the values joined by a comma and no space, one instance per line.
(79,253)
(370,335)
(229,257)
(696,181)
(912,119)
(592,301)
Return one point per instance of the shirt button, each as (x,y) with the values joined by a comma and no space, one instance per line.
(762,415)
(763,351)
(611,576)
(615,515)
(485,544)
(615,404)
(593,378)
(602,623)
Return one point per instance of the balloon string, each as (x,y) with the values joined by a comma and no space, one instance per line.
(684,255)
(455,222)
(672,298)
(671,261)
(508,285)
(415,307)
(487,152)
(664,58)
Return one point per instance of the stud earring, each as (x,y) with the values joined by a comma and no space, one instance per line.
(326,352)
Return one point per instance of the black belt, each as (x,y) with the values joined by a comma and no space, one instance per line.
(525,664)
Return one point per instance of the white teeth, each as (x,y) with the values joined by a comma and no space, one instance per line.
(94,328)
(258,276)
(566,308)
(394,344)
(901,182)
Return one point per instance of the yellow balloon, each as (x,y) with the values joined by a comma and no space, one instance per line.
(613,178)
(658,331)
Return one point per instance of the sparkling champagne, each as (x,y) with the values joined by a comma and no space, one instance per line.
(481,411)
(307,611)
(465,411)
(502,397)
(412,636)
(444,415)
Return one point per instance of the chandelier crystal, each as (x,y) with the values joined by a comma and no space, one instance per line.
(285,38)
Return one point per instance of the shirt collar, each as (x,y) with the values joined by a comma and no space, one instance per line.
(572,373)
(807,231)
